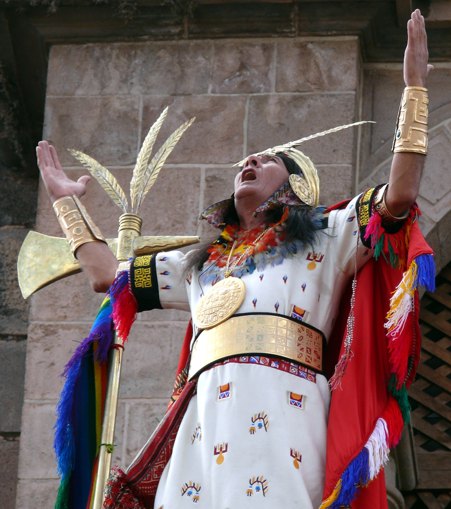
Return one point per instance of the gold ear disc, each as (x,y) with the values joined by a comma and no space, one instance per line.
(301,189)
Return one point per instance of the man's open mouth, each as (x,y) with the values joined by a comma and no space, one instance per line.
(248,175)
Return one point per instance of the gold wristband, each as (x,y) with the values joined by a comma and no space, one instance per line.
(381,207)
(75,222)
(411,133)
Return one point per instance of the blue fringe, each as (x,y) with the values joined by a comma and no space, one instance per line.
(102,332)
(355,476)
(426,272)
(64,436)
(119,283)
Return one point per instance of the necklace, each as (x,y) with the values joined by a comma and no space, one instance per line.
(223,299)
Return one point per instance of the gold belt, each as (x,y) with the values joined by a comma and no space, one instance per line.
(259,335)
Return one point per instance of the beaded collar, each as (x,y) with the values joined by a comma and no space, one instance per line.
(270,249)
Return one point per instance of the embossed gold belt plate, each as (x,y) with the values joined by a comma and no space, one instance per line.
(219,303)
(260,335)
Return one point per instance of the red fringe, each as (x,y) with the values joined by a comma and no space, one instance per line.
(125,309)
(395,423)
(374,229)
(399,350)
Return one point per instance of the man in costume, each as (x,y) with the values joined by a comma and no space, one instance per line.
(252,411)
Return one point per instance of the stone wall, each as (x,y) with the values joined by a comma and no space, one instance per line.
(17,213)
(246,95)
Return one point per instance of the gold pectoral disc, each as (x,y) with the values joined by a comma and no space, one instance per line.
(219,303)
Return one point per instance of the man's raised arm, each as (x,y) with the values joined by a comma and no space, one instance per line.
(411,132)
(95,257)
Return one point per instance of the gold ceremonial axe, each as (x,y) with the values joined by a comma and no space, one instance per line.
(44,259)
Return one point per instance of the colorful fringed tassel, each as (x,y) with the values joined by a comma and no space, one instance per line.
(420,272)
(125,306)
(366,466)
(425,272)
(80,409)
(75,450)
(401,302)
(374,231)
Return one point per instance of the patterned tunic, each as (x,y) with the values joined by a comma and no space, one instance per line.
(254,433)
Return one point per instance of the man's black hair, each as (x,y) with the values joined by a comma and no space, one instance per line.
(299,224)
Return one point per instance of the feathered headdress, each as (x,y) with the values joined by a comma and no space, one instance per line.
(305,186)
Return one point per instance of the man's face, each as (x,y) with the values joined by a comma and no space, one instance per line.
(259,178)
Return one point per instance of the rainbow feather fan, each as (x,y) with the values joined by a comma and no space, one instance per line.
(80,409)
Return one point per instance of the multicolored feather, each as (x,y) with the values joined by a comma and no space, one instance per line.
(79,411)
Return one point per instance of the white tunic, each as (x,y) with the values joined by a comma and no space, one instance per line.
(254,435)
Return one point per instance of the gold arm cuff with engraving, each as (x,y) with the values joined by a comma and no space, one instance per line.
(77,225)
(411,133)
(260,335)
(381,207)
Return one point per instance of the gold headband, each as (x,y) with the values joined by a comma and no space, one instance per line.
(306,186)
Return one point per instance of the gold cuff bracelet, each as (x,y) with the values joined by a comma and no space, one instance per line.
(381,207)
(75,222)
(411,133)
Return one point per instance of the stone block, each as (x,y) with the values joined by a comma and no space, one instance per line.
(163,68)
(378,176)
(278,119)
(381,97)
(37,460)
(50,345)
(439,89)
(13,308)
(106,128)
(216,135)
(12,368)
(9,455)
(36,493)
(219,185)
(164,315)
(142,418)
(172,206)
(150,360)
(242,67)
(436,182)
(92,69)
(317,65)
(336,183)
(175,68)
(67,300)
(119,433)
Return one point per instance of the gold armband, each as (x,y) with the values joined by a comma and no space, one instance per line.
(381,207)
(75,222)
(412,126)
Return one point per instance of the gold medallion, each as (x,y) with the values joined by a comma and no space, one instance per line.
(219,303)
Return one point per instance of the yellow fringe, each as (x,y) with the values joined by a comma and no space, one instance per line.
(399,305)
(332,497)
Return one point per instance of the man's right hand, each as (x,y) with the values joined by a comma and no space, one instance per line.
(57,183)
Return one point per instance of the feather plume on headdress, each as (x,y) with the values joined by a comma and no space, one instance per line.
(306,186)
